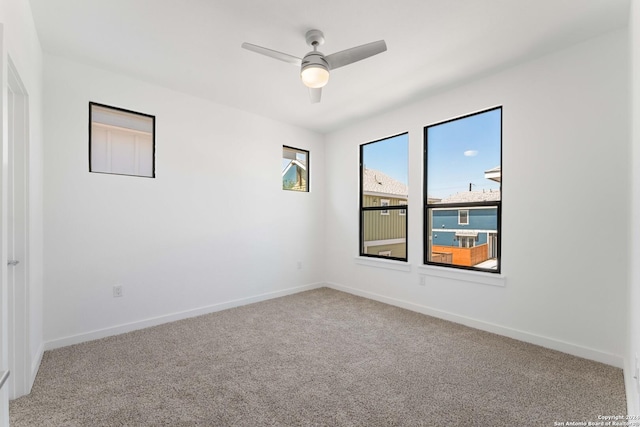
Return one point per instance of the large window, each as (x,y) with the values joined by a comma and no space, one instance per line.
(384,198)
(121,142)
(463,178)
(295,169)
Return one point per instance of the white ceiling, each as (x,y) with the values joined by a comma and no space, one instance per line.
(194,46)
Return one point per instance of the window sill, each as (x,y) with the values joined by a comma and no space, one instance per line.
(464,275)
(383,263)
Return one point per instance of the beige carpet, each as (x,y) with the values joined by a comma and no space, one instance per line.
(317,358)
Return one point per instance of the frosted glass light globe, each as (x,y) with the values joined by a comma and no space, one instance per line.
(314,76)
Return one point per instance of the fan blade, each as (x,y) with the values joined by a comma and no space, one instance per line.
(315,94)
(273,53)
(349,56)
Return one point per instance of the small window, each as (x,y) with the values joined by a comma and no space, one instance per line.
(463,217)
(384,197)
(295,169)
(121,142)
(384,202)
(463,176)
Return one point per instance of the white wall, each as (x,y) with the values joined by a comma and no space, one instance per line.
(565,210)
(633,396)
(212,230)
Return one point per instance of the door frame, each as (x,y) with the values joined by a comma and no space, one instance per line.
(17,279)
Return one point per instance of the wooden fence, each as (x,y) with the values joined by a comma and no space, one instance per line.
(460,256)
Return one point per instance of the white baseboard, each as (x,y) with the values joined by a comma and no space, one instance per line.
(35,365)
(565,347)
(146,323)
(631,388)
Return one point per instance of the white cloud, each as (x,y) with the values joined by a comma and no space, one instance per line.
(471,153)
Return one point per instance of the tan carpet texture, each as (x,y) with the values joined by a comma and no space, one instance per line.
(317,358)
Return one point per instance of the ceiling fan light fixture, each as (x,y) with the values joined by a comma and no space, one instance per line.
(314,76)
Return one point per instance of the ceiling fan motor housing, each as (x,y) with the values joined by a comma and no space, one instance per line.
(314,58)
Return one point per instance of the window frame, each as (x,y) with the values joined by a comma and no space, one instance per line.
(363,209)
(428,207)
(466,211)
(308,165)
(124,110)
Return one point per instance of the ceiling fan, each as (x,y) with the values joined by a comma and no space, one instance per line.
(315,66)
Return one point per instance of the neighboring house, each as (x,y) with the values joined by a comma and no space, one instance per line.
(466,236)
(494,174)
(294,176)
(385,231)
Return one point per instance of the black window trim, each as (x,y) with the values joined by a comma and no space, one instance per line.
(364,209)
(308,190)
(427,207)
(124,110)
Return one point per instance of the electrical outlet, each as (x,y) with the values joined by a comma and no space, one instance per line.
(117,291)
(299,265)
(422,281)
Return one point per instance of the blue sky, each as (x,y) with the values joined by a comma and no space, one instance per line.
(390,156)
(459,153)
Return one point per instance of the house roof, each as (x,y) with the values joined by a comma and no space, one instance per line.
(473,196)
(374,181)
(293,163)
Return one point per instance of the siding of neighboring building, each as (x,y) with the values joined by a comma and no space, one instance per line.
(383,227)
(398,250)
(445,245)
(481,220)
(384,232)
(374,200)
